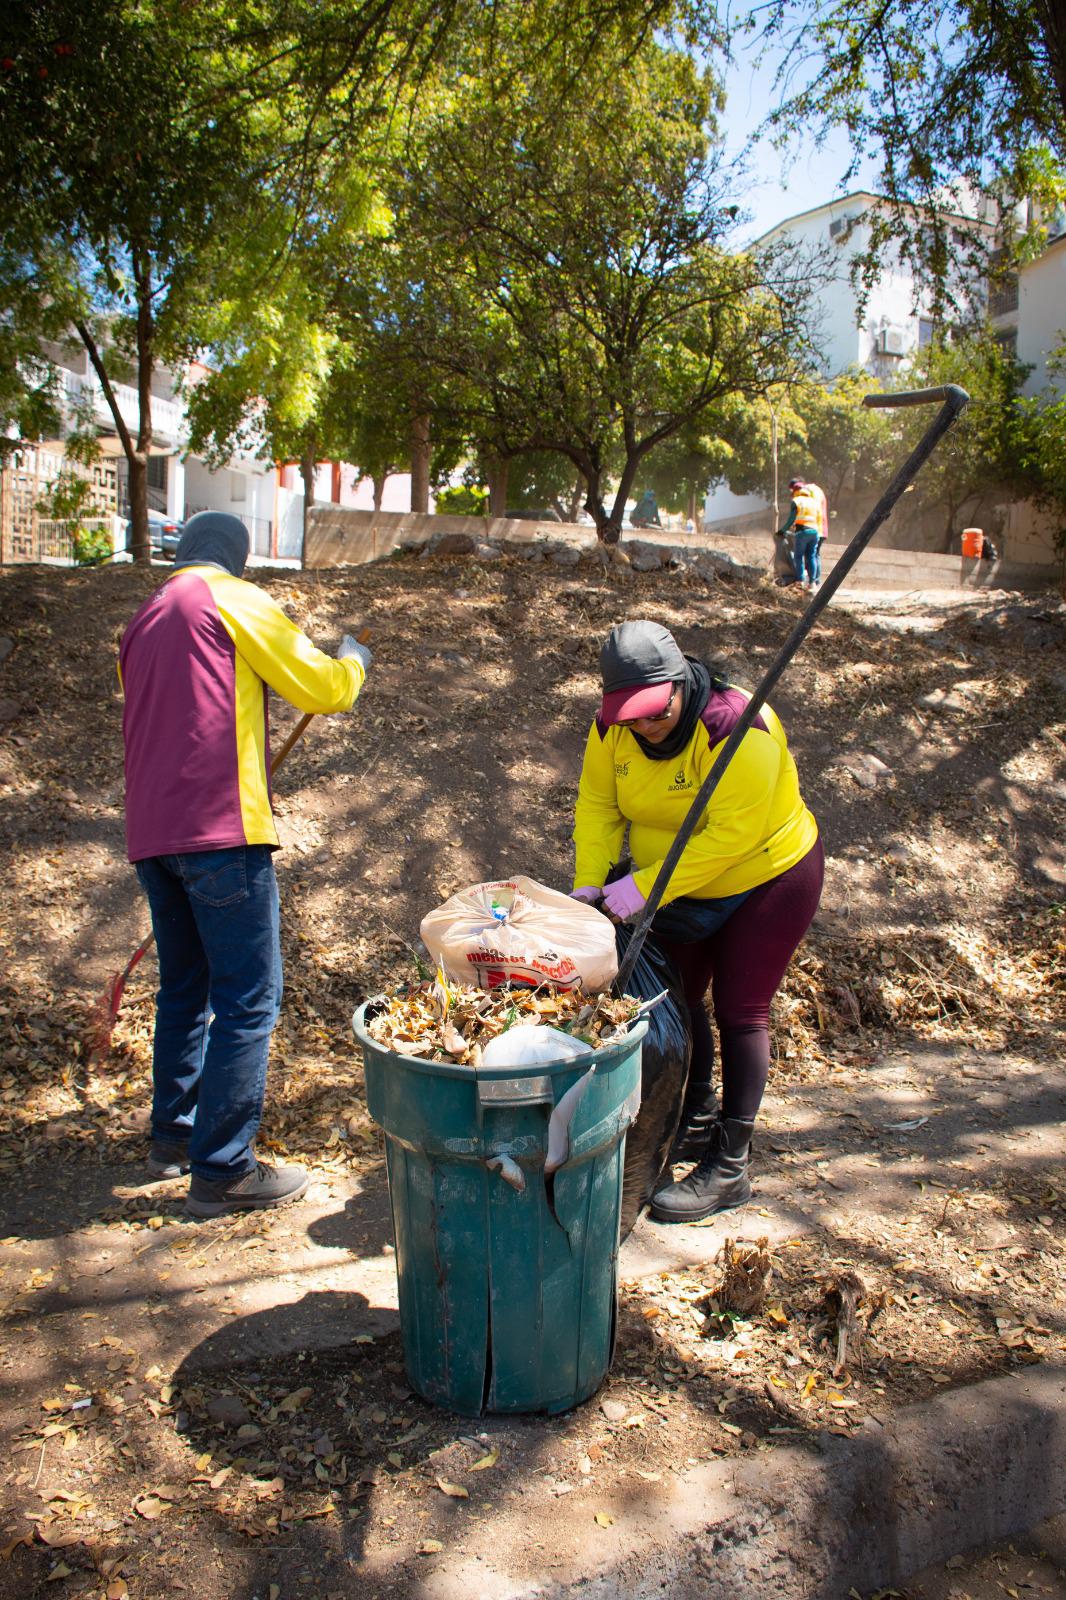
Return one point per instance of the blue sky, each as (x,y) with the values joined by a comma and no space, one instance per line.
(781,184)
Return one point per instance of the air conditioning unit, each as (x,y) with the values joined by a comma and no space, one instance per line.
(892,342)
(837,227)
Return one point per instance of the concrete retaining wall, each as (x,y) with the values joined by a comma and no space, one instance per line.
(814,1521)
(339,536)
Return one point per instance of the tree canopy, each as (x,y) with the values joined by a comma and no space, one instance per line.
(953,101)
(143,145)
(575,283)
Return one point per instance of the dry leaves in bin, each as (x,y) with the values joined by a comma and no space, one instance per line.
(445,1021)
(746,1274)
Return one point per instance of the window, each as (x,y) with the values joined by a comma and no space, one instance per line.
(1003,295)
(1002,287)
(926,332)
(236,487)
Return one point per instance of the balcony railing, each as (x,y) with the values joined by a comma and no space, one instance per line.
(85,394)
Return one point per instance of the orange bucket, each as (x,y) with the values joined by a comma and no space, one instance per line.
(972,540)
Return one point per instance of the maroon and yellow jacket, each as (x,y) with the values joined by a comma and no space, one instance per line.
(195,662)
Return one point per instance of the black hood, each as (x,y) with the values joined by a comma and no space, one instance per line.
(214,539)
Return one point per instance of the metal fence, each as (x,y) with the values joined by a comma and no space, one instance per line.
(25,478)
(51,539)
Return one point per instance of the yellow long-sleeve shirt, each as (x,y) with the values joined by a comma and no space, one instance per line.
(755,827)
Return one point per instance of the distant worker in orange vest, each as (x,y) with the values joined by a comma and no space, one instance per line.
(823,528)
(808,522)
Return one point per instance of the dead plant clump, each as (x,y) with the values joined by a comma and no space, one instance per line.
(746,1274)
(947,983)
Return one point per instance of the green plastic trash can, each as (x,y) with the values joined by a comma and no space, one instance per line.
(507,1276)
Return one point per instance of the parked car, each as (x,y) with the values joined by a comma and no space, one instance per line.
(163,535)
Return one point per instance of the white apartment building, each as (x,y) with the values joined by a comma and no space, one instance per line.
(1029,310)
(895,320)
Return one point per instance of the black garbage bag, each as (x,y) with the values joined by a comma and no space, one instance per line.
(664,1066)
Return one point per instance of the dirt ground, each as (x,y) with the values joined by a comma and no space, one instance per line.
(220,1409)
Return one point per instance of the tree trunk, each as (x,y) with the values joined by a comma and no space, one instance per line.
(608,528)
(379,489)
(497,471)
(138,483)
(613,524)
(575,500)
(419,438)
(308,462)
(136,454)
(139,460)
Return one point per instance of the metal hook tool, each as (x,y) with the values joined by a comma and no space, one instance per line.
(953,402)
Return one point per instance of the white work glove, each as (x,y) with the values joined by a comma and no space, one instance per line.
(352,647)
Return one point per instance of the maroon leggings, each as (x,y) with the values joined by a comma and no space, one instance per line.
(744,963)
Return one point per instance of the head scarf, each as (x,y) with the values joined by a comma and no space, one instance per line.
(214,539)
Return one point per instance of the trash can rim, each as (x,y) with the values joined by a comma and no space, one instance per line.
(604,1056)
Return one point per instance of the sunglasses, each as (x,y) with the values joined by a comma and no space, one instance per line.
(660,716)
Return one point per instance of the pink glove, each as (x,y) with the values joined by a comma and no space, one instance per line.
(589,896)
(623,899)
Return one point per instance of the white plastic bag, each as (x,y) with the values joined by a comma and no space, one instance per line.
(520,931)
(530,1042)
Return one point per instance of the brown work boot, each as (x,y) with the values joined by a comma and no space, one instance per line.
(167,1159)
(252,1191)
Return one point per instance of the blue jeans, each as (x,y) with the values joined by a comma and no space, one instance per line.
(805,554)
(217,932)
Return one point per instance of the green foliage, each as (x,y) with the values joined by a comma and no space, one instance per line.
(91,546)
(956,99)
(67,497)
(463,500)
(823,432)
(538,479)
(310,308)
(575,292)
(681,468)
(29,399)
(988,452)
(1042,447)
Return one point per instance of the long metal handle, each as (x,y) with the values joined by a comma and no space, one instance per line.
(954,401)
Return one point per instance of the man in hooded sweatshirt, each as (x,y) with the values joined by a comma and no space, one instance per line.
(195,663)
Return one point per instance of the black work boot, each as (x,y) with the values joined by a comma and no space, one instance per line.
(718,1183)
(699,1118)
(253,1191)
